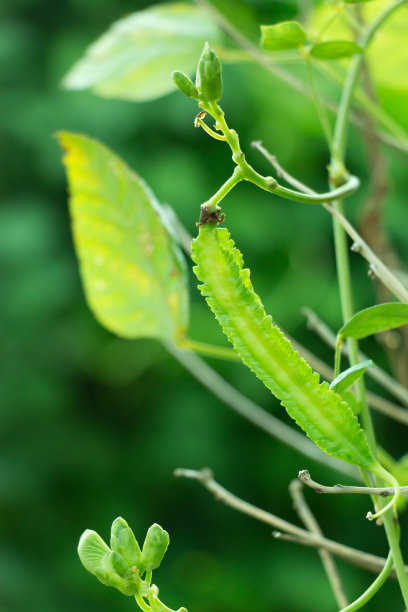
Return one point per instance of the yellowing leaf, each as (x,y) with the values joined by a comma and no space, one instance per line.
(132,270)
(134,59)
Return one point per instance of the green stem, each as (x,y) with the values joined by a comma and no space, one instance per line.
(344,190)
(142,604)
(236,177)
(337,172)
(320,109)
(340,131)
(393,128)
(373,588)
(337,355)
(245,172)
(209,350)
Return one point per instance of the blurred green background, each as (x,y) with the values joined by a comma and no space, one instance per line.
(92,426)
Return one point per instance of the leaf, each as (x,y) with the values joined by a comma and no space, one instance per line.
(134,59)
(335,49)
(347,378)
(282,36)
(133,272)
(390,77)
(320,412)
(356,1)
(375,320)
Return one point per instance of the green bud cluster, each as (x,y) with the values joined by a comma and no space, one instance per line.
(209,75)
(123,565)
(185,85)
(208,85)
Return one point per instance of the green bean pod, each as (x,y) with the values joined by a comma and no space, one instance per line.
(322,414)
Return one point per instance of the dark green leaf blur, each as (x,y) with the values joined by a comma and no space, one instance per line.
(93,426)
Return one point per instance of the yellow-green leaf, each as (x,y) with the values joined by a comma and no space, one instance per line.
(134,59)
(133,272)
(282,36)
(334,49)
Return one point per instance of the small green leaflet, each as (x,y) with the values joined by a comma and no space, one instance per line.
(334,49)
(320,412)
(375,320)
(347,378)
(134,59)
(282,36)
(133,272)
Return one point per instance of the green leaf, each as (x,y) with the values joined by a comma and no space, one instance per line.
(319,411)
(356,1)
(133,272)
(375,319)
(347,378)
(134,59)
(282,36)
(334,49)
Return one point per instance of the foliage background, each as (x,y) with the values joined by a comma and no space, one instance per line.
(93,426)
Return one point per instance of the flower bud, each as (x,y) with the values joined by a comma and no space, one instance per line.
(154,548)
(91,550)
(124,542)
(109,575)
(208,78)
(185,85)
(108,566)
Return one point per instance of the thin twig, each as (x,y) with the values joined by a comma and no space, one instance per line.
(307,517)
(327,335)
(305,477)
(381,271)
(356,557)
(255,414)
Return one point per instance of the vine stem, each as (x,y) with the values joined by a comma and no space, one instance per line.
(209,350)
(142,604)
(337,173)
(320,108)
(373,588)
(382,272)
(235,178)
(246,172)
